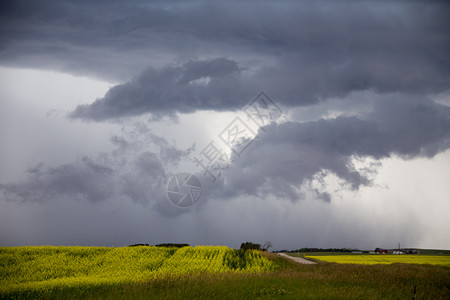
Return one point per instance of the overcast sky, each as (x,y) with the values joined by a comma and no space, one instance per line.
(329,121)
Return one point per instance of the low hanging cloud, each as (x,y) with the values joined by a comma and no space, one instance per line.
(286,156)
(279,162)
(208,85)
(129,172)
(84,179)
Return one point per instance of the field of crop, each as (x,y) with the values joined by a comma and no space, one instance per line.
(384,259)
(204,273)
(45,268)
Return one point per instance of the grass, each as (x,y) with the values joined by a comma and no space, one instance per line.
(384,259)
(287,280)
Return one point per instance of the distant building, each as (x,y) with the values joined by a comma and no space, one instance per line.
(411,251)
(381,251)
(406,251)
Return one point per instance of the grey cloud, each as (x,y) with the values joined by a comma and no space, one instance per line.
(131,143)
(287,155)
(296,81)
(299,52)
(130,172)
(198,55)
(170,90)
(147,181)
(412,128)
(282,159)
(85,179)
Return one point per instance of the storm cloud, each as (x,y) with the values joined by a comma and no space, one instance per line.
(362,85)
(204,56)
(286,156)
(206,85)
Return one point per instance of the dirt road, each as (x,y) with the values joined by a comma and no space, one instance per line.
(298,259)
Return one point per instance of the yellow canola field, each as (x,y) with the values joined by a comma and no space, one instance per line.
(48,267)
(385,259)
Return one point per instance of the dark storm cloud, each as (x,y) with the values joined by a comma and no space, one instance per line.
(170,90)
(170,57)
(300,52)
(287,155)
(283,159)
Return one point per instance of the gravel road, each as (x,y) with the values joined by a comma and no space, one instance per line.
(298,259)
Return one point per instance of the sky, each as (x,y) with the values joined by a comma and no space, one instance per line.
(304,123)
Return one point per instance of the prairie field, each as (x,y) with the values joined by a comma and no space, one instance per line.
(384,259)
(41,268)
(204,272)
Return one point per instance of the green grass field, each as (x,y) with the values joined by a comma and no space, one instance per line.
(384,259)
(203,273)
